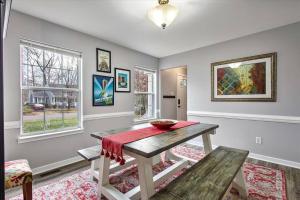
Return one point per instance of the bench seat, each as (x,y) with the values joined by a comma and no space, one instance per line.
(209,179)
(91,153)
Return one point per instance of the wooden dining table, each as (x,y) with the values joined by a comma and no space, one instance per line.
(144,151)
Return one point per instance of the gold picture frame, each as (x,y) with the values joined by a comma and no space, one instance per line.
(247,79)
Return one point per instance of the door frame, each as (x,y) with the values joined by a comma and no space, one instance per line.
(5,6)
(160,86)
(185,75)
(2,193)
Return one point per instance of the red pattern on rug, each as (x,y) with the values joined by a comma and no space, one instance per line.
(262,183)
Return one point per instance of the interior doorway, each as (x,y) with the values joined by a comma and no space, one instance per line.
(173,96)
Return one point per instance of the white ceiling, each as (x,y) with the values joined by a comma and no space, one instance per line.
(199,22)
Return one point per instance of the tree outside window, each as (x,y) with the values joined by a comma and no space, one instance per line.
(50,88)
(144,82)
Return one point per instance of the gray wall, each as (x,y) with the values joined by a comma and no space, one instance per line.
(280,140)
(52,150)
(168,77)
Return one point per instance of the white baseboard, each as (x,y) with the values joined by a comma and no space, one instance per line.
(258,156)
(275,160)
(52,166)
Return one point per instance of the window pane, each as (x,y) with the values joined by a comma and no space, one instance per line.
(33,111)
(31,55)
(53,76)
(24,75)
(70,109)
(70,62)
(144,108)
(69,78)
(34,76)
(53,110)
(143,81)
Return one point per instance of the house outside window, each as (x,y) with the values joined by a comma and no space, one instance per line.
(145,94)
(50,88)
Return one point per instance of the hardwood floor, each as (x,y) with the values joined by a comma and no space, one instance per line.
(292,176)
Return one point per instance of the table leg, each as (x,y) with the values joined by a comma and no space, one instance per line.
(145,177)
(207,143)
(163,156)
(239,184)
(104,165)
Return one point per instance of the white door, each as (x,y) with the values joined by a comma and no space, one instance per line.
(181,97)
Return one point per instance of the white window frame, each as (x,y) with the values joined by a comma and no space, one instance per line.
(154,93)
(39,135)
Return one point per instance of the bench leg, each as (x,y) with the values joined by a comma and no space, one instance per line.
(145,177)
(27,191)
(94,167)
(104,165)
(239,184)
(207,143)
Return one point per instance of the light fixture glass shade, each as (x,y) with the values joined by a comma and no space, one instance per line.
(163,15)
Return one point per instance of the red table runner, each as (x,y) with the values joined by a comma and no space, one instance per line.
(112,145)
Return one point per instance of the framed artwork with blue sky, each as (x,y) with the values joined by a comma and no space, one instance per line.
(123,80)
(103,90)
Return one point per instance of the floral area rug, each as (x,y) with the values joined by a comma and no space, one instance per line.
(262,183)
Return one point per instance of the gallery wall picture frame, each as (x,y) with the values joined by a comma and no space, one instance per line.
(103,90)
(247,79)
(122,80)
(103,60)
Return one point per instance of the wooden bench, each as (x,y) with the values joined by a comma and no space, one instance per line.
(93,155)
(209,179)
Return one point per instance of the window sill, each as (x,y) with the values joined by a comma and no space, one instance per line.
(32,138)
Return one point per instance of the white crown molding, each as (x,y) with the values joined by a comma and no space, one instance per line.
(17,124)
(241,116)
(107,115)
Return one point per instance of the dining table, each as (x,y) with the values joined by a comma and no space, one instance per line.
(144,152)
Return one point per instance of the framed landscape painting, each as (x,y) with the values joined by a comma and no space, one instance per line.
(123,80)
(103,90)
(103,60)
(245,79)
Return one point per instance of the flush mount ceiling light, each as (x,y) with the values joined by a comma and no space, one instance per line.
(163,14)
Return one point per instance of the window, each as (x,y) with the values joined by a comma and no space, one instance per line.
(144,90)
(50,87)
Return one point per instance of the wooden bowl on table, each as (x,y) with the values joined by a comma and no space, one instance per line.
(163,123)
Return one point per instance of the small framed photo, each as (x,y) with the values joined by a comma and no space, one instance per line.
(103,90)
(103,60)
(123,80)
